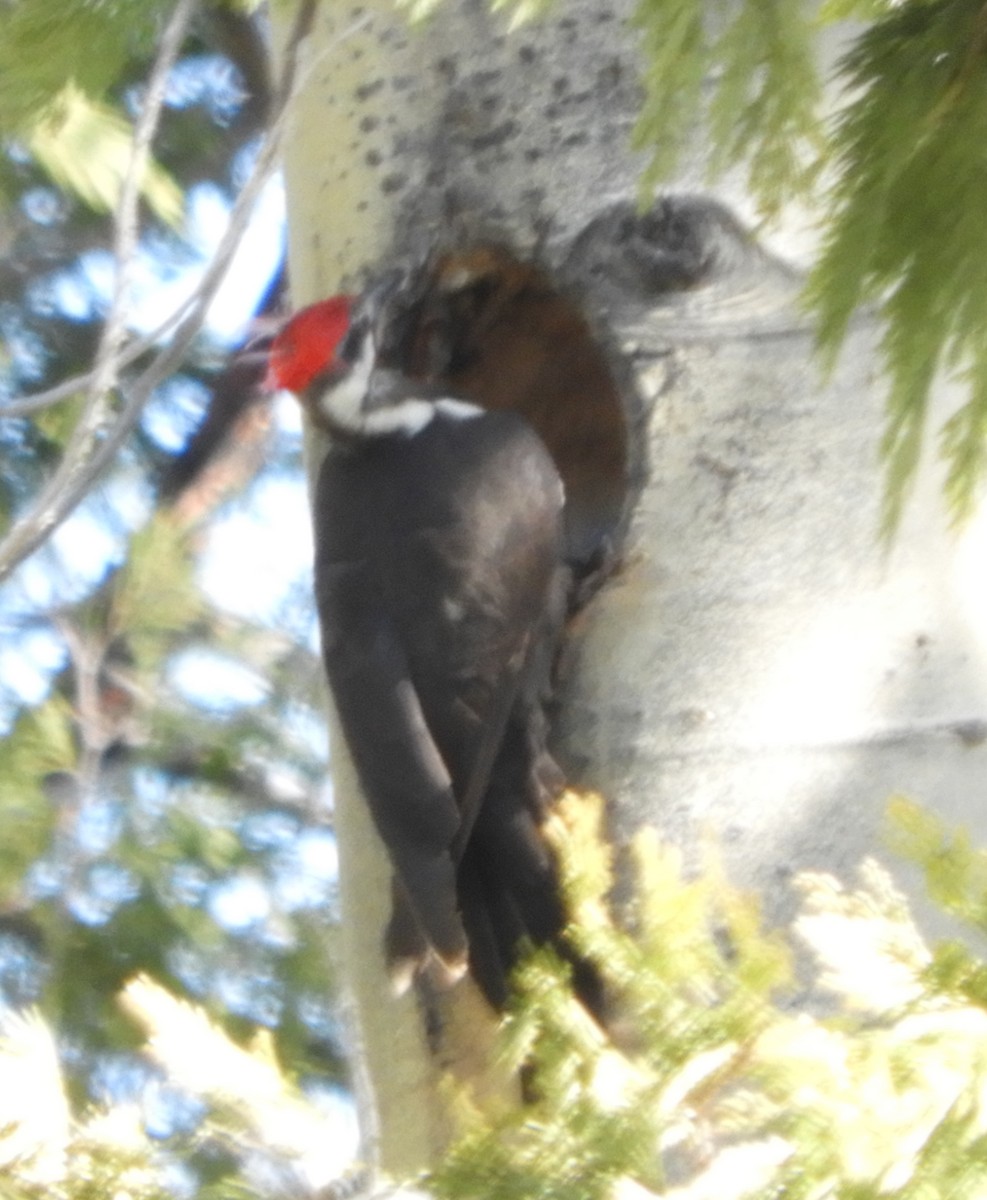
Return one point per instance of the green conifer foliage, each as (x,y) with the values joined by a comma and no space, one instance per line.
(897,174)
(906,207)
(710,1084)
(748,75)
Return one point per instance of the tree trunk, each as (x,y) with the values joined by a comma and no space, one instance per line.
(756,665)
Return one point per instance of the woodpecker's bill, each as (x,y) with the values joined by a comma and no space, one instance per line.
(441,591)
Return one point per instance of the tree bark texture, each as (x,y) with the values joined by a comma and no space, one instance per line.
(756,667)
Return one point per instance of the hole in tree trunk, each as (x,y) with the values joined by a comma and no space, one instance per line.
(487,327)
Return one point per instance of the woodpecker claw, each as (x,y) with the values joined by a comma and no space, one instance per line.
(440,974)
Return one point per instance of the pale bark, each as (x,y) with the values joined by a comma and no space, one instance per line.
(756,666)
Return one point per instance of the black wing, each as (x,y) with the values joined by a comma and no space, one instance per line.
(401,771)
(438,567)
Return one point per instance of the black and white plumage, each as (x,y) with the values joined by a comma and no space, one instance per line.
(441,591)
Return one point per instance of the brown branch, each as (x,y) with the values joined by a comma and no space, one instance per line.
(235,391)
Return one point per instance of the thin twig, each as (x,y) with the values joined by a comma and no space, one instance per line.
(27,406)
(52,506)
(126,221)
(128,354)
(67,488)
(48,514)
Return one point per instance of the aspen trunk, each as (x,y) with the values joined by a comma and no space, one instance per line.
(757,667)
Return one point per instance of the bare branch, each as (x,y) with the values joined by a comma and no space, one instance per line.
(288,84)
(138,347)
(50,507)
(105,368)
(75,384)
(69,485)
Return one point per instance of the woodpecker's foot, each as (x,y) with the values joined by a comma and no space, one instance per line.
(590,576)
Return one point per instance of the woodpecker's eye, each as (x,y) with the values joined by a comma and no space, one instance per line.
(349,348)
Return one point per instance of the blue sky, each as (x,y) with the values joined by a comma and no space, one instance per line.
(257,551)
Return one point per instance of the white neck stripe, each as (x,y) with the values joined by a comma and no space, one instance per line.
(341,402)
(342,405)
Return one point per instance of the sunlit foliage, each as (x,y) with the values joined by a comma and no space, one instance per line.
(260,1131)
(713,1085)
(84,146)
(708,1084)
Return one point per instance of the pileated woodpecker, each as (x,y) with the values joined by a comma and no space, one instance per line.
(441,589)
